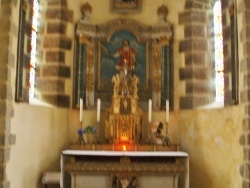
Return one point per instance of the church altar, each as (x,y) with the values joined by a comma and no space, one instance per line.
(126,169)
(123,159)
(120,157)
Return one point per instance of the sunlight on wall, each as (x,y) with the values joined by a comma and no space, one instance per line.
(33,49)
(218,42)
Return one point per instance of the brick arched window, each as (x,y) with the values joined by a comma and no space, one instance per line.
(219,57)
(26,60)
(33,49)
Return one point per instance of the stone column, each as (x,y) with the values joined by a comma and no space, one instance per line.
(54,72)
(7,65)
(198,70)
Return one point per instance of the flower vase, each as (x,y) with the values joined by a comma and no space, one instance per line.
(158,140)
(80,139)
(91,138)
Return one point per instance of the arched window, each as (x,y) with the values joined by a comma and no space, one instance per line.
(20,71)
(33,49)
(219,58)
(27,47)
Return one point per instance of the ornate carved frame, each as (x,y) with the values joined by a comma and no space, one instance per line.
(159,74)
(119,6)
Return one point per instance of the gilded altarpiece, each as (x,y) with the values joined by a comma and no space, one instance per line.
(124,63)
(95,66)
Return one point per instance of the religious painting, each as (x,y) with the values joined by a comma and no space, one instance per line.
(100,58)
(125,6)
(111,57)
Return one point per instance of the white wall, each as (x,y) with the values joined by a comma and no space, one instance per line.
(41,134)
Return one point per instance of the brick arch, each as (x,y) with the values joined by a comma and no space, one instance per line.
(197,48)
(198,29)
(53,70)
(195,12)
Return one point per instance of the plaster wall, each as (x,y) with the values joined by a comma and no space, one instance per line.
(41,135)
(211,137)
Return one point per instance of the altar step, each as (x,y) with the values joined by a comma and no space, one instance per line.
(51,179)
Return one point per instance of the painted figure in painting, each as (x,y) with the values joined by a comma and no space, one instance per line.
(126,54)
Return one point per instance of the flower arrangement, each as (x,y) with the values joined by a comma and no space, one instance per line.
(87,130)
(156,129)
(157,137)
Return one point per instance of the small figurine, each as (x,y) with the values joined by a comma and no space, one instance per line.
(86,10)
(162,12)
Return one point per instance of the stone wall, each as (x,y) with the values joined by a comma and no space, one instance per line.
(198,47)
(53,70)
(7,62)
(52,74)
(197,73)
(244,13)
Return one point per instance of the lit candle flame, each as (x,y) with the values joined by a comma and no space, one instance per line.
(124,148)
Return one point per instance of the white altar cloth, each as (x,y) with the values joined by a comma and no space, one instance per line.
(126,153)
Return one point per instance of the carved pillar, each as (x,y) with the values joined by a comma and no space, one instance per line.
(86,69)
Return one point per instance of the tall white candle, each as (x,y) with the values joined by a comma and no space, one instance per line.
(98,110)
(150,110)
(167,111)
(81,107)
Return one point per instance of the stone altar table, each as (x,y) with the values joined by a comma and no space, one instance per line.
(128,169)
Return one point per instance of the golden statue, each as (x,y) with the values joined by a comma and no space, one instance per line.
(124,118)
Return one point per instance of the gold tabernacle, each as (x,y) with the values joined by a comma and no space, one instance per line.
(123,123)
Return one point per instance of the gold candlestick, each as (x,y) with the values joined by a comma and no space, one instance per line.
(167,128)
(166,139)
(98,132)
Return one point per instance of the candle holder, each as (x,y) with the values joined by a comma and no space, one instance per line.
(80,131)
(150,135)
(166,138)
(167,123)
(98,132)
